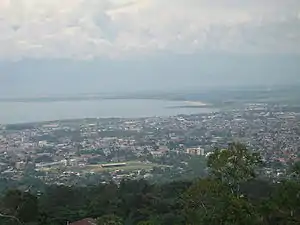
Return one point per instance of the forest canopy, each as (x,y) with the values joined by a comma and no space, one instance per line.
(233,193)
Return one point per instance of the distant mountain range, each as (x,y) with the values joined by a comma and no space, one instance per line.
(166,73)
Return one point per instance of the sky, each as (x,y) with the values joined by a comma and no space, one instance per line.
(77,44)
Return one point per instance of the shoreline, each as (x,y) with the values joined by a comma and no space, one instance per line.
(36,112)
(196,103)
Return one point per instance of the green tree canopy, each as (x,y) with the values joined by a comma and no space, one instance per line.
(234,165)
(109,220)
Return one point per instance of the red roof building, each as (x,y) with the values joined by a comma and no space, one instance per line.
(87,221)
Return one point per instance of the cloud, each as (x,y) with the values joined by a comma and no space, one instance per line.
(118,28)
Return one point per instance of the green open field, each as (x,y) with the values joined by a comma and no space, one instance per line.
(131,166)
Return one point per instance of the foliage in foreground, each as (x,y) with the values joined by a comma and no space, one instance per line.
(231,194)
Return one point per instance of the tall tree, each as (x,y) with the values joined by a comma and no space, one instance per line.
(295,170)
(20,206)
(109,220)
(234,165)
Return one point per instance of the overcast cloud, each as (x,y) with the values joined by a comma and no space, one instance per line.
(119,28)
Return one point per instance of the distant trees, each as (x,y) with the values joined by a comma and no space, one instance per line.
(295,170)
(232,193)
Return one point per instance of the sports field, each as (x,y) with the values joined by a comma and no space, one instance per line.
(130,166)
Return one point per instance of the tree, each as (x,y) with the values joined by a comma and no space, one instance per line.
(109,220)
(9,220)
(148,222)
(234,165)
(209,201)
(218,200)
(283,207)
(197,165)
(295,170)
(20,206)
(204,200)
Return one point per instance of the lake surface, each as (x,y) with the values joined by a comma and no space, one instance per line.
(23,112)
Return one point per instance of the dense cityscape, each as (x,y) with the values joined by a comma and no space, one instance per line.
(88,151)
(149,112)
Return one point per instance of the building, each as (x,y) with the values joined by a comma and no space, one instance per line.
(20,165)
(87,221)
(42,143)
(195,151)
(113,165)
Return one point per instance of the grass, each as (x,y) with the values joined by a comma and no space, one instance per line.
(130,166)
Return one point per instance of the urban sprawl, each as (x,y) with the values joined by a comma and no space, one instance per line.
(100,150)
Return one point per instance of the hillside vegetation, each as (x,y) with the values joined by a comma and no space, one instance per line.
(232,194)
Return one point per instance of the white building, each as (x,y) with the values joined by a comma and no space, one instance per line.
(195,151)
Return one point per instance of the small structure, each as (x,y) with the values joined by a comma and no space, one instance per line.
(20,165)
(109,165)
(195,151)
(87,221)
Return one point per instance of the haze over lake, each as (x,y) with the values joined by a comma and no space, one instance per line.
(23,112)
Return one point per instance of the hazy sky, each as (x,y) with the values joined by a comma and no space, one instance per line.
(137,37)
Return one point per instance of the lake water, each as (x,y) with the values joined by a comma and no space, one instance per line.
(22,112)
